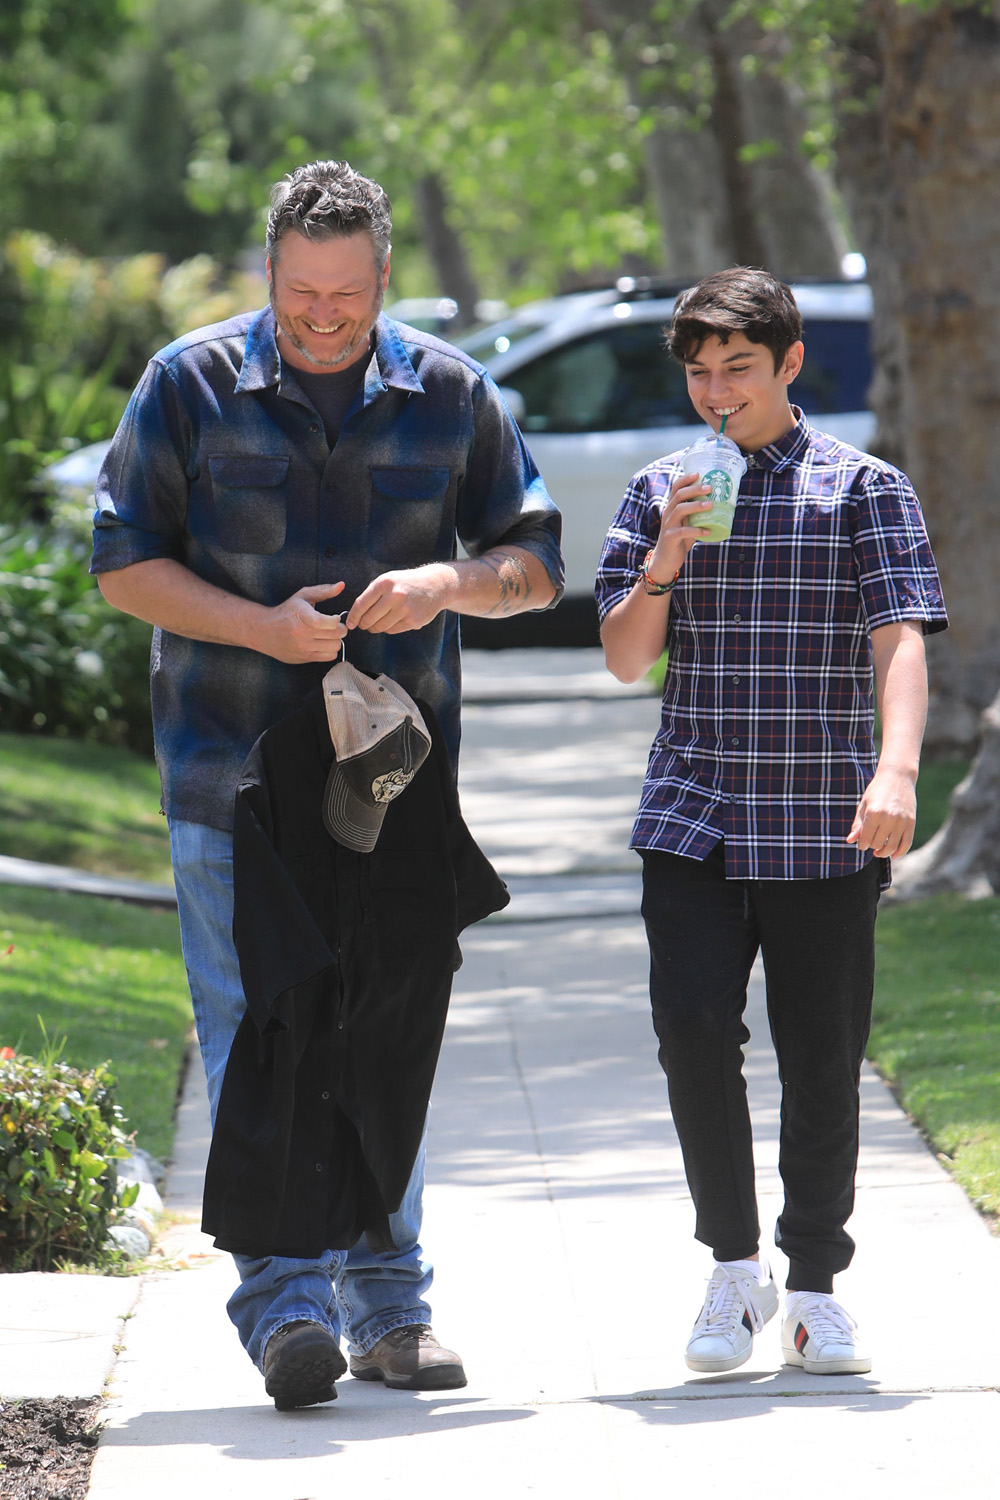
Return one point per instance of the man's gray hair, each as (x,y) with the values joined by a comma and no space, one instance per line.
(328,199)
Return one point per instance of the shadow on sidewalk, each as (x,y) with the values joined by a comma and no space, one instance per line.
(259,1432)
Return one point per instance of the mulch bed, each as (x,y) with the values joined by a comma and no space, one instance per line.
(47,1448)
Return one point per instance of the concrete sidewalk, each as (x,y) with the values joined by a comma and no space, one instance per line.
(561,1232)
(560,1229)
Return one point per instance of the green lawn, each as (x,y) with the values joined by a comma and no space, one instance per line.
(938,779)
(936,1035)
(109,977)
(88,806)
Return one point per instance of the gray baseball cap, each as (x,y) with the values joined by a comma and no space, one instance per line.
(381,741)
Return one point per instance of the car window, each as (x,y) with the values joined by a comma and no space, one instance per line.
(837,369)
(484,345)
(611,380)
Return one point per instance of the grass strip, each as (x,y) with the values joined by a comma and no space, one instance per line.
(936,1031)
(937,780)
(109,977)
(87,806)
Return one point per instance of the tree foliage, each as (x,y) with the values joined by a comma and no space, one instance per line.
(533,145)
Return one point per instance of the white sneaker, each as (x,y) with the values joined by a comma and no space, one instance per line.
(820,1337)
(737,1306)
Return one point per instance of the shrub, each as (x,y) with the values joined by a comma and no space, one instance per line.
(75,335)
(61,1138)
(69,664)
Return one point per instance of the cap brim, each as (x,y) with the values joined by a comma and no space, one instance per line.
(345,816)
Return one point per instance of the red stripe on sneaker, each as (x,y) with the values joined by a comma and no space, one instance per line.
(801,1338)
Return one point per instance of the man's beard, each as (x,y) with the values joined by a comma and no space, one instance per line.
(346,355)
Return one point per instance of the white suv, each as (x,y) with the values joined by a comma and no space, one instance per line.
(597,398)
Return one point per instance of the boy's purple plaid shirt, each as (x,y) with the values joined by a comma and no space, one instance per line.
(766,736)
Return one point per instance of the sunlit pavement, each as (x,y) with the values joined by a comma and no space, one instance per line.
(561,1232)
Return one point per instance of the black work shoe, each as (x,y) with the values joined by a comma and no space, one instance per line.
(410,1359)
(301,1362)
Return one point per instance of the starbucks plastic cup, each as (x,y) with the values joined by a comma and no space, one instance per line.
(719,463)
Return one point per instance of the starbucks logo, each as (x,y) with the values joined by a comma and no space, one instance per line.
(722,486)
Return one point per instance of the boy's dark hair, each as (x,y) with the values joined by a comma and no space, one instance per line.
(327,199)
(741,300)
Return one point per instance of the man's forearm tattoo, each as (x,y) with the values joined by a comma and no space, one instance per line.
(515,585)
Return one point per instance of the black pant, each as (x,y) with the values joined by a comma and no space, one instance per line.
(817,938)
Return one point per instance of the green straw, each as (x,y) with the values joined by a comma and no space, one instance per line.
(722,429)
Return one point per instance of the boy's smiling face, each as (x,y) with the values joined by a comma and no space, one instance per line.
(738,381)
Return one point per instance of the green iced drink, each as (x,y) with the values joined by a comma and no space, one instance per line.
(718,463)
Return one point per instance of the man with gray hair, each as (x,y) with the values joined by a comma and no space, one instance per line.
(311,452)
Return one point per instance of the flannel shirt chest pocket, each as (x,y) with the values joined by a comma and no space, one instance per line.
(245,509)
(410,519)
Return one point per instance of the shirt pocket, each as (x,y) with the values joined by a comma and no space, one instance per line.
(408,515)
(247,511)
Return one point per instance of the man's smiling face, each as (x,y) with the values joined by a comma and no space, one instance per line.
(326,296)
(738,381)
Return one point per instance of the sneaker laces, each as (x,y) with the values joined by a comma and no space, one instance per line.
(726,1301)
(826,1321)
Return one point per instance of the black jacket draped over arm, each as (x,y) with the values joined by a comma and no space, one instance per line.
(347,962)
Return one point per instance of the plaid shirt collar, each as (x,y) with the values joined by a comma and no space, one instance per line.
(780,455)
(389,367)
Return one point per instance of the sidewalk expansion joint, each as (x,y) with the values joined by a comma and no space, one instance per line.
(766,1393)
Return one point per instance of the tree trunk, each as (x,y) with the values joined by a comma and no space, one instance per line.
(940,103)
(793,201)
(687,188)
(863,173)
(964,854)
(684,172)
(445,249)
(729,129)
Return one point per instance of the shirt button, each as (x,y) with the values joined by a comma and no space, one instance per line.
(340,1025)
(736,739)
(742,557)
(737,618)
(329,551)
(319,1166)
(314,427)
(325,1094)
(736,679)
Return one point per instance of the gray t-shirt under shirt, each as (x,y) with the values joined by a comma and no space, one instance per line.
(331,392)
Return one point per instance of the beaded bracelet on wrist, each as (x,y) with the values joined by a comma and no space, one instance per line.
(650,585)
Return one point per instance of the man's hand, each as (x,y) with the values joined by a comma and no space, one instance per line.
(404,599)
(296,631)
(886,815)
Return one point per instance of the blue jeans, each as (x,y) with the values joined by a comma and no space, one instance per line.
(358,1291)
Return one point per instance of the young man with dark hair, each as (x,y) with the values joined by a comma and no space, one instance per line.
(767,820)
(311,452)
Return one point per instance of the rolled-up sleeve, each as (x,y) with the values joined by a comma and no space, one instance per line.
(503,499)
(142,491)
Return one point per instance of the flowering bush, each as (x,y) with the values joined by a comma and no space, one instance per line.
(61,1138)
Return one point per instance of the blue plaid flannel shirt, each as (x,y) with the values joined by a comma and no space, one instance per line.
(766,735)
(221,463)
